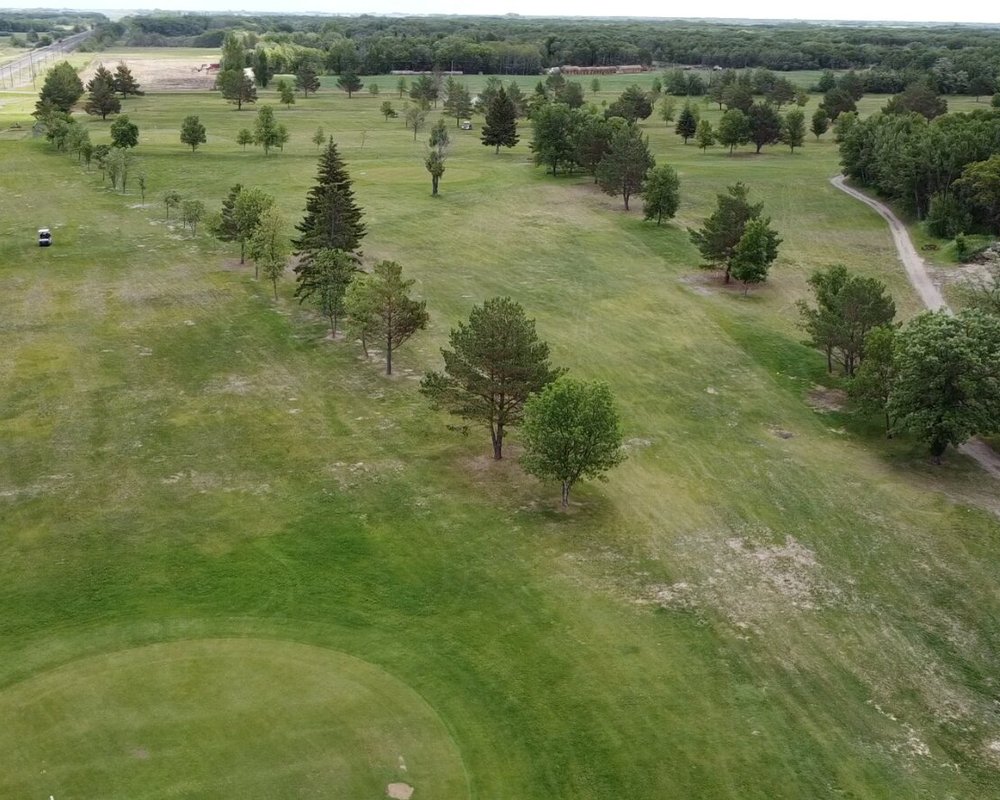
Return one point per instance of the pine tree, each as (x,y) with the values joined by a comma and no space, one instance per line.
(687,123)
(261,68)
(332,218)
(62,88)
(226,229)
(124,82)
(349,81)
(500,128)
(458,101)
(102,99)
(306,78)
(704,136)
(623,170)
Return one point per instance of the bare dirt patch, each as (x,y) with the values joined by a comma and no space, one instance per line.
(399,791)
(747,580)
(825,399)
(173,74)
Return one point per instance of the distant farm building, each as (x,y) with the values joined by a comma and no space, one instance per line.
(622,69)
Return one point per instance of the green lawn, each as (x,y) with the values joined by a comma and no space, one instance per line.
(764,601)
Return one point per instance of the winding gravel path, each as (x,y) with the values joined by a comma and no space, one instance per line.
(929,293)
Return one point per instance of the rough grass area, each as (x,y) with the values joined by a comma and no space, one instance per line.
(767,600)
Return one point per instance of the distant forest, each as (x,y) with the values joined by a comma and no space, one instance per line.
(377,45)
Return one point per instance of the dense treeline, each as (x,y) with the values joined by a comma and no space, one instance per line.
(516,45)
(39,21)
(943,169)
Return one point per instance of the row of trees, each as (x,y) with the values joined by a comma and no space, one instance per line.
(375,45)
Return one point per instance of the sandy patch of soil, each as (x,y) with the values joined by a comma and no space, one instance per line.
(181,74)
(399,791)
(823,399)
(748,581)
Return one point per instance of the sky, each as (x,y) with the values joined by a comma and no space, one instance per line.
(890,10)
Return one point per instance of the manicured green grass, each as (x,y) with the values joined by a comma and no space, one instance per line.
(734,614)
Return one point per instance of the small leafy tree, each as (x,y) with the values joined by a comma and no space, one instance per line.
(286,94)
(265,129)
(734,129)
(401,87)
(754,253)
(191,213)
(248,210)
(373,89)
(793,128)
(269,246)
(595,86)
(661,194)
(571,431)
(244,137)
(765,124)
(668,108)
(171,199)
(439,137)
(124,133)
(193,132)
(820,123)
(236,87)
(327,282)
(704,136)
(495,363)
(388,111)
(391,315)
(435,166)
(416,116)
(633,105)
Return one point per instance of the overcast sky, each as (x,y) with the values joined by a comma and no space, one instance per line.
(901,10)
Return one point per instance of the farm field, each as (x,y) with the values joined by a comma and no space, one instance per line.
(232,549)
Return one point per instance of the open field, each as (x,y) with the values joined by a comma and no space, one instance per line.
(201,494)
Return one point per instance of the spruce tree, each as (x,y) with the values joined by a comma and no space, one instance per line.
(62,88)
(687,123)
(226,228)
(102,99)
(332,219)
(500,128)
(124,82)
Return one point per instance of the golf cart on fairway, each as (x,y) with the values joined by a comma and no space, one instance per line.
(44,237)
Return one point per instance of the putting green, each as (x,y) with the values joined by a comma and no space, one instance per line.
(244,718)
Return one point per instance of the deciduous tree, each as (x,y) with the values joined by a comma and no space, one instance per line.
(947,383)
(249,208)
(458,101)
(553,137)
(793,128)
(286,93)
(307,79)
(820,123)
(191,213)
(349,82)
(124,133)
(765,125)
(873,381)
(495,363)
(391,314)
(754,253)
(388,111)
(327,282)
(704,137)
(633,104)
(268,246)
(265,129)
(661,196)
(571,431)
(244,137)
(193,132)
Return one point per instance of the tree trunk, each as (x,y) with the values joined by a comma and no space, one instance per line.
(388,355)
(625,196)
(829,361)
(434,185)
(333,326)
(726,275)
(274,282)
(243,251)
(888,425)
(496,434)
(565,494)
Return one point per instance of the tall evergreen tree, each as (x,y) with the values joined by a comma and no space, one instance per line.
(307,78)
(332,218)
(61,90)
(500,128)
(225,228)
(458,101)
(102,99)
(687,123)
(262,73)
(124,82)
